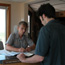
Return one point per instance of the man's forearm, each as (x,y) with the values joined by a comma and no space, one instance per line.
(34,59)
(10,48)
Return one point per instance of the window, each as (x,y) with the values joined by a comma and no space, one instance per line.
(5,10)
(3,25)
(28,23)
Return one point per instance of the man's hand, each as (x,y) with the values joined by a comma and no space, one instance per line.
(21,57)
(21,50)
(28,49)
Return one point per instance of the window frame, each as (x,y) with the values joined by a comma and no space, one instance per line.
(8,19)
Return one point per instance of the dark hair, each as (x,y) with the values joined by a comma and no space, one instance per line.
(46,9)
(24,23)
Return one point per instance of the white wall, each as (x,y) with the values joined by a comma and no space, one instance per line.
(19,11)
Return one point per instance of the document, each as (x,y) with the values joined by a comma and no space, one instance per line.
(8,53)
(12,53)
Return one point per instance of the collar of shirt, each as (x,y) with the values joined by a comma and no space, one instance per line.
(50,21)
(17,36)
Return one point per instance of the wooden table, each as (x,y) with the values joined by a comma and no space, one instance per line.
(13,61)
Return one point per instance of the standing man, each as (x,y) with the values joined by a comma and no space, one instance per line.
(50,48)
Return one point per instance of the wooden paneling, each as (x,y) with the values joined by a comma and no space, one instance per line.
(16,62)
(22,64)
(60,14)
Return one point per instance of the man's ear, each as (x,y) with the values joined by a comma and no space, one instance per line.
(40,18)
(43,16)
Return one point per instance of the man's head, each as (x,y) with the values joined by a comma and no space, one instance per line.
(22,26)
(46,11)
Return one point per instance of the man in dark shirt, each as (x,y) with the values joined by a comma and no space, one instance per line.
(50,48)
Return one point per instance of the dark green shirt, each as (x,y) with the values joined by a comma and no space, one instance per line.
(51,43)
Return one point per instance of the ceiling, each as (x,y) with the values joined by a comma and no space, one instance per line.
(59,5)
(15,0)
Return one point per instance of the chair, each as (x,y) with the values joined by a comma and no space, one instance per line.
(15,29)
(1,45)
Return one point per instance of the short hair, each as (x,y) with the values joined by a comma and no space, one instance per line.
(46,9)
(24,23)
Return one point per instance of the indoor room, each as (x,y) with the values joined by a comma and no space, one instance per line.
(21,22)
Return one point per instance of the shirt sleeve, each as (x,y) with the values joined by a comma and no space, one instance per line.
(29,41)
(42,45)
(10,39)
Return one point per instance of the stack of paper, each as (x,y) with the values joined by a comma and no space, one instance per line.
(8,53)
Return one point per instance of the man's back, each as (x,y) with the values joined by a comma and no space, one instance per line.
(51,44)
(57,43)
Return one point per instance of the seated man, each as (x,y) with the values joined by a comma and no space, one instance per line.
(18,41)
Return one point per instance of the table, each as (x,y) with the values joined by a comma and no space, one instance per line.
(4,60)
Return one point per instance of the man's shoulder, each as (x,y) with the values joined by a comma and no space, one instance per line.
(55,26)
(13,34)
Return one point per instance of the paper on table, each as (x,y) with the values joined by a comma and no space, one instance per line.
(29,53)
(8,53)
